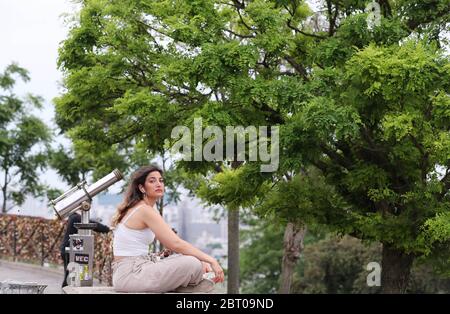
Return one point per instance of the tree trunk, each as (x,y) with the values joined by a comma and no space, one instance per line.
(395,270)
(4,187)
(233,243)
(159,247)
(233,252)
(293,246)
(4,202)
(161,201)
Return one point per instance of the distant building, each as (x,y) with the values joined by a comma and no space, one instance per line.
(104,206)
(197,226)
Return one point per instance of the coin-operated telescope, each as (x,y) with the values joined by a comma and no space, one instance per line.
(81,249)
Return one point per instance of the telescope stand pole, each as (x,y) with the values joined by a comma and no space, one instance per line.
(85,217)
(82,248)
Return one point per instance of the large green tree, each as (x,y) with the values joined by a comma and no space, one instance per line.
(143,83)
(24,141)
(363,111)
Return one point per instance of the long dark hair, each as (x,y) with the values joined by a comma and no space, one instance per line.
(133,195)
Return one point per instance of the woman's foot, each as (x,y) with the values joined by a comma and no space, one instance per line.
(204,286)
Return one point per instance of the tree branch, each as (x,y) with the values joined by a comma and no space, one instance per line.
(413,24)
(332,16)
(322,166)
(291,13)
(238,7)
(9,178)
(239,35)
(298,67)
(424,159)
(302,32)
(337,158)
(446,182)
(11,207)
(387,11)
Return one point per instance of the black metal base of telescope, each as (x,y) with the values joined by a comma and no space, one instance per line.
(85,226)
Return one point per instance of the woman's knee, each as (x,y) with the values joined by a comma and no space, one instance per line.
(118,284)
(192,263)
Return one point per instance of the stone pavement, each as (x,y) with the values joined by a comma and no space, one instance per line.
(23,272)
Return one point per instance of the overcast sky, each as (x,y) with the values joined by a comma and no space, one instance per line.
(30,33)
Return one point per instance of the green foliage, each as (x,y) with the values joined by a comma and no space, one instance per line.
(233,188)
(24,141)
(437,227)
(362,113)
(338,265)
(68,167)
(328,264)
(260,257)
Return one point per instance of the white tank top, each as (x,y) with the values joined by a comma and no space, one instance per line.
(131,242)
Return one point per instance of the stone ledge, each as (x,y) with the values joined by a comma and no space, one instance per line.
(110,290)
(93,290)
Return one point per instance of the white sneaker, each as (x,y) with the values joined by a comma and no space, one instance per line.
(204,286)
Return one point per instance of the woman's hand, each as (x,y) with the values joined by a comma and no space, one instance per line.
(206,267)
(218,271)
(165,253)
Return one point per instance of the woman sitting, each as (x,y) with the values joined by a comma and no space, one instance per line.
(137,223)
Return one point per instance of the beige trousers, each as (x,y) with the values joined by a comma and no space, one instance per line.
(148,274)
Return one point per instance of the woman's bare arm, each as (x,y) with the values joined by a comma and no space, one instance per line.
(170,239)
